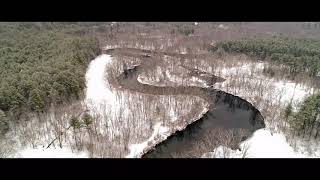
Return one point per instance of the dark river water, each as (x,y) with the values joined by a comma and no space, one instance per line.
(229,119)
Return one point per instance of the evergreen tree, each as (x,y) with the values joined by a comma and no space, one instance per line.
(43,63)
(87,119)
(288,111)
(299,54)
(305,120)
(75,123)
(36,102)
(4,126)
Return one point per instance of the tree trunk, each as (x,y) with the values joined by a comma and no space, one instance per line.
(317,131)
(311,130)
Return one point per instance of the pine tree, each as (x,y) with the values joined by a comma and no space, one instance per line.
(288,111)
(35,100)
(75,123)
(305,120)
(4,126)
(87,119)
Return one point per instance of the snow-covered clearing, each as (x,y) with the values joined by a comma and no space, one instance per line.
(264,144)
(99,96)
(41,152)
(136,150)
(98,89)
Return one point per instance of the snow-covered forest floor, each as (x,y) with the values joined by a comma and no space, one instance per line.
(245,78)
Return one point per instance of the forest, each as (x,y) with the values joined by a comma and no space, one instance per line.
(300,55)
(59,91)
(42,64)
(306,122)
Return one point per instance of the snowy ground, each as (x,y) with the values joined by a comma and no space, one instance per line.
(265,143)
(41,152)
(39,135)
(170,73)
(29,139)
(100,97)
(282,90)
(98,89)
(159,134)
(128,112)
(136,150)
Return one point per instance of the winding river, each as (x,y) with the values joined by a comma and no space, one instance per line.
(229,116)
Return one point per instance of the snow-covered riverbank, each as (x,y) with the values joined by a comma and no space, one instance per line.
(264,144)
(118,110)
(248,82)
(118,113)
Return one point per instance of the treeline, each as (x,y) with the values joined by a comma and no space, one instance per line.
(306,122)
(299,55)
(42,64)
(182,28)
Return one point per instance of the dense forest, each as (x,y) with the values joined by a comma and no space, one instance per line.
(42,64)
(300,55)
(306,122)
